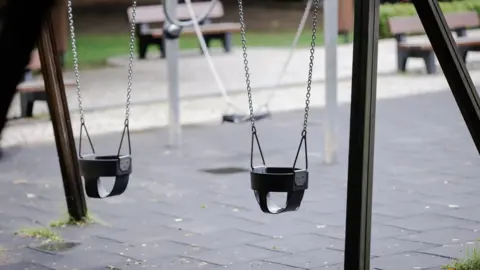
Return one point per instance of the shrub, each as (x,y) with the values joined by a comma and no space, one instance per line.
(471,262)
(406,9)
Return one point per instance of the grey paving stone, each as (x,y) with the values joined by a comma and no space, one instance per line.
(237,254)
(79,259)
(389,246)
(260,265)
(299,243)
(379,218)
(148,235)
(285,228)
(332,219)
(454,202)
(458,251)
(331,231)
(338,266)
(222,239)
(405,261)
(22,266)
(180,263)
(311,259)
(469,213)
(383,231)
(441,188)
(215,223)
(405,209)
(426,222)
(445,236)
(474,226)
(147,252)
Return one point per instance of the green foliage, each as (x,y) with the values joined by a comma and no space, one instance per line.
(407,9)
(471,262)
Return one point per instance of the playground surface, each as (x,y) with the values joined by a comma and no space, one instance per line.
(192,208)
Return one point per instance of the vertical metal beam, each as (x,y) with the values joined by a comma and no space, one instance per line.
(62,126)
(172,55)
(452,64)
(362,131)
(330,15)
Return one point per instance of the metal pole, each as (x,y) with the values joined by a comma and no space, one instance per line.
(62,126)
(452,64)
(362,133)
(172,55)
(330,15)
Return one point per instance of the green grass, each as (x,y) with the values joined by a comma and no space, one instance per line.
(94,50)
(41,233)
(471,261)
(67,221)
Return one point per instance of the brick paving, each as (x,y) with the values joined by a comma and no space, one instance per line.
(177,214)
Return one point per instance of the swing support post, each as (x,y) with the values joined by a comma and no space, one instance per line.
(172,55)
(362,135)
(62,126)
(330,17)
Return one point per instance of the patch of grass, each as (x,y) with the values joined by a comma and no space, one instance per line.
(471,261)
(68,221)
(94,49)
(41,233)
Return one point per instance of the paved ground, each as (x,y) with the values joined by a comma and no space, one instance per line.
(177,216)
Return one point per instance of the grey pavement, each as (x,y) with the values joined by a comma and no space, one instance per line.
(192,208)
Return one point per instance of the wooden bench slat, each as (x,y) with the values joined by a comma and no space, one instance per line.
(413,25)
(425,45)
(155,13)
(38,85)
(215,28)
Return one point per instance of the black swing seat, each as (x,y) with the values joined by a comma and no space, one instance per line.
(293,181)
(240,118)
(94,167)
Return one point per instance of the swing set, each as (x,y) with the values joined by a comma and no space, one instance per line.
(264,179)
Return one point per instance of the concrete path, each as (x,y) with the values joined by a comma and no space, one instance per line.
(193,208)
(104,91)
(106,88)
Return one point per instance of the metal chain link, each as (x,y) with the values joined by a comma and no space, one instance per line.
(245,62)
(247,70)
(75,61)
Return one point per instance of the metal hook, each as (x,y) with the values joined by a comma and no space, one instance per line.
(255,137)
(304,141)
(84,127)
(126,129)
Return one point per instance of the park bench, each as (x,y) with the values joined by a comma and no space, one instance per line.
(150,18)
(30,89)
(458,22)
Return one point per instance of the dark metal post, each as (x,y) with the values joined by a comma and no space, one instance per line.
(62,126)
(362,131)
(452,64)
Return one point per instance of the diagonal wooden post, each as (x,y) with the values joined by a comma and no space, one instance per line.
(62,126)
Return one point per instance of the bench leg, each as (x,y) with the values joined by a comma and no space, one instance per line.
(26,105)
(227,42)
(207,39)
(402,57)
(429,59)
(161,47)
(142,48)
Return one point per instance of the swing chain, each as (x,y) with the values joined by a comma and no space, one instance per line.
(245,62)
(310,67)
(75,61)
(130,61)
(247,70)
